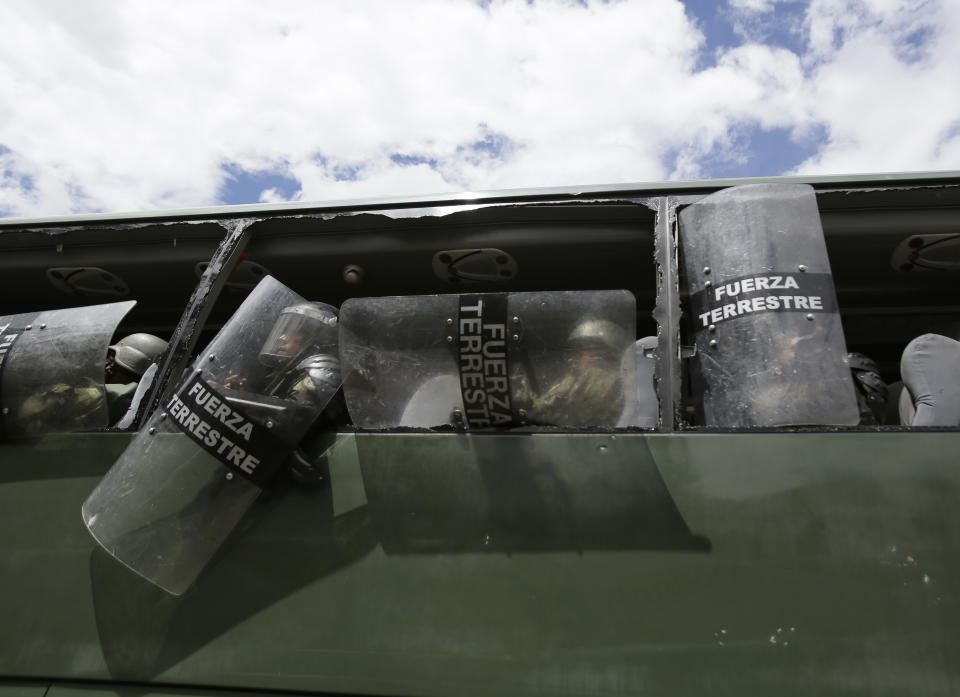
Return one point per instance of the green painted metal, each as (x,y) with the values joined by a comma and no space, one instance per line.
(11,688)
(781,563)
(101,690)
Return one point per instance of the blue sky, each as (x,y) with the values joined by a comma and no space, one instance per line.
(757,151)
(138,105)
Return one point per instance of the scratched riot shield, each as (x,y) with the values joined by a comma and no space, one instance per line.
(767,329)
(490,360)
(52,369)
(201,460)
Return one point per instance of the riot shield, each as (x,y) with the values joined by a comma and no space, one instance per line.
(767,329)
(490,360)
(186,480)
(52,369)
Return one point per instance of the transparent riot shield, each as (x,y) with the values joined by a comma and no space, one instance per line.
(201,460)
(491,360)
(767,329)
(52,369)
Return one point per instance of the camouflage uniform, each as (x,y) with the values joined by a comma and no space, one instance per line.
(583,398)
(63,407)
(588,390)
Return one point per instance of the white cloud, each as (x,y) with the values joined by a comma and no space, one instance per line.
(137,105)
(753,5)
(883,82)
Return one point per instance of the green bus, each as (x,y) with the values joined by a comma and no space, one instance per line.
(731,539)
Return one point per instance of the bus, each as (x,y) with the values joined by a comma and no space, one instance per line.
(775,513)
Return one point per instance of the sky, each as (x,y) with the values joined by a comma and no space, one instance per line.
(135,105)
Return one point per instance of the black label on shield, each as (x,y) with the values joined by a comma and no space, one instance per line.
(792,292)
(482,357)
(9,333)
(219,427)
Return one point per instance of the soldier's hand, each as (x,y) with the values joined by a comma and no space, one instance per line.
(235,382)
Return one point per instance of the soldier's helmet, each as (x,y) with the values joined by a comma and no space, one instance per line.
(301,330)
(312,379)
(588,387)
(600,334)
(135,353)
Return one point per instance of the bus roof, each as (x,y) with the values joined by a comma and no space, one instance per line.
(638,189)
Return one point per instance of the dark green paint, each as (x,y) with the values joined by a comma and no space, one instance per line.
(805,563)
(95,690)
(9,688)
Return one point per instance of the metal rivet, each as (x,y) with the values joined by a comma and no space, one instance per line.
(713,343)
(152,430)
(707,284)
(810,317)
(522,413)
(516,337)
(268,423)
(802,268)
(515,320)
(163,415)
(712,328)
(449,321)
(29,327)
(211,357)
(43,326)
(229,476)
(706,269)
(449,339)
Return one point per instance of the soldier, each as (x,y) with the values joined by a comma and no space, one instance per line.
(127,361)
(303,347)
(77,407)
(302,367)
(301,354)
(587,388)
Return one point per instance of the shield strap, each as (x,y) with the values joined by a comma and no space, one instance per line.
(482,337)
(224,430)
(9,333)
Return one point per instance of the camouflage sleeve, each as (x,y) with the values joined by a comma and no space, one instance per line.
(61,408)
